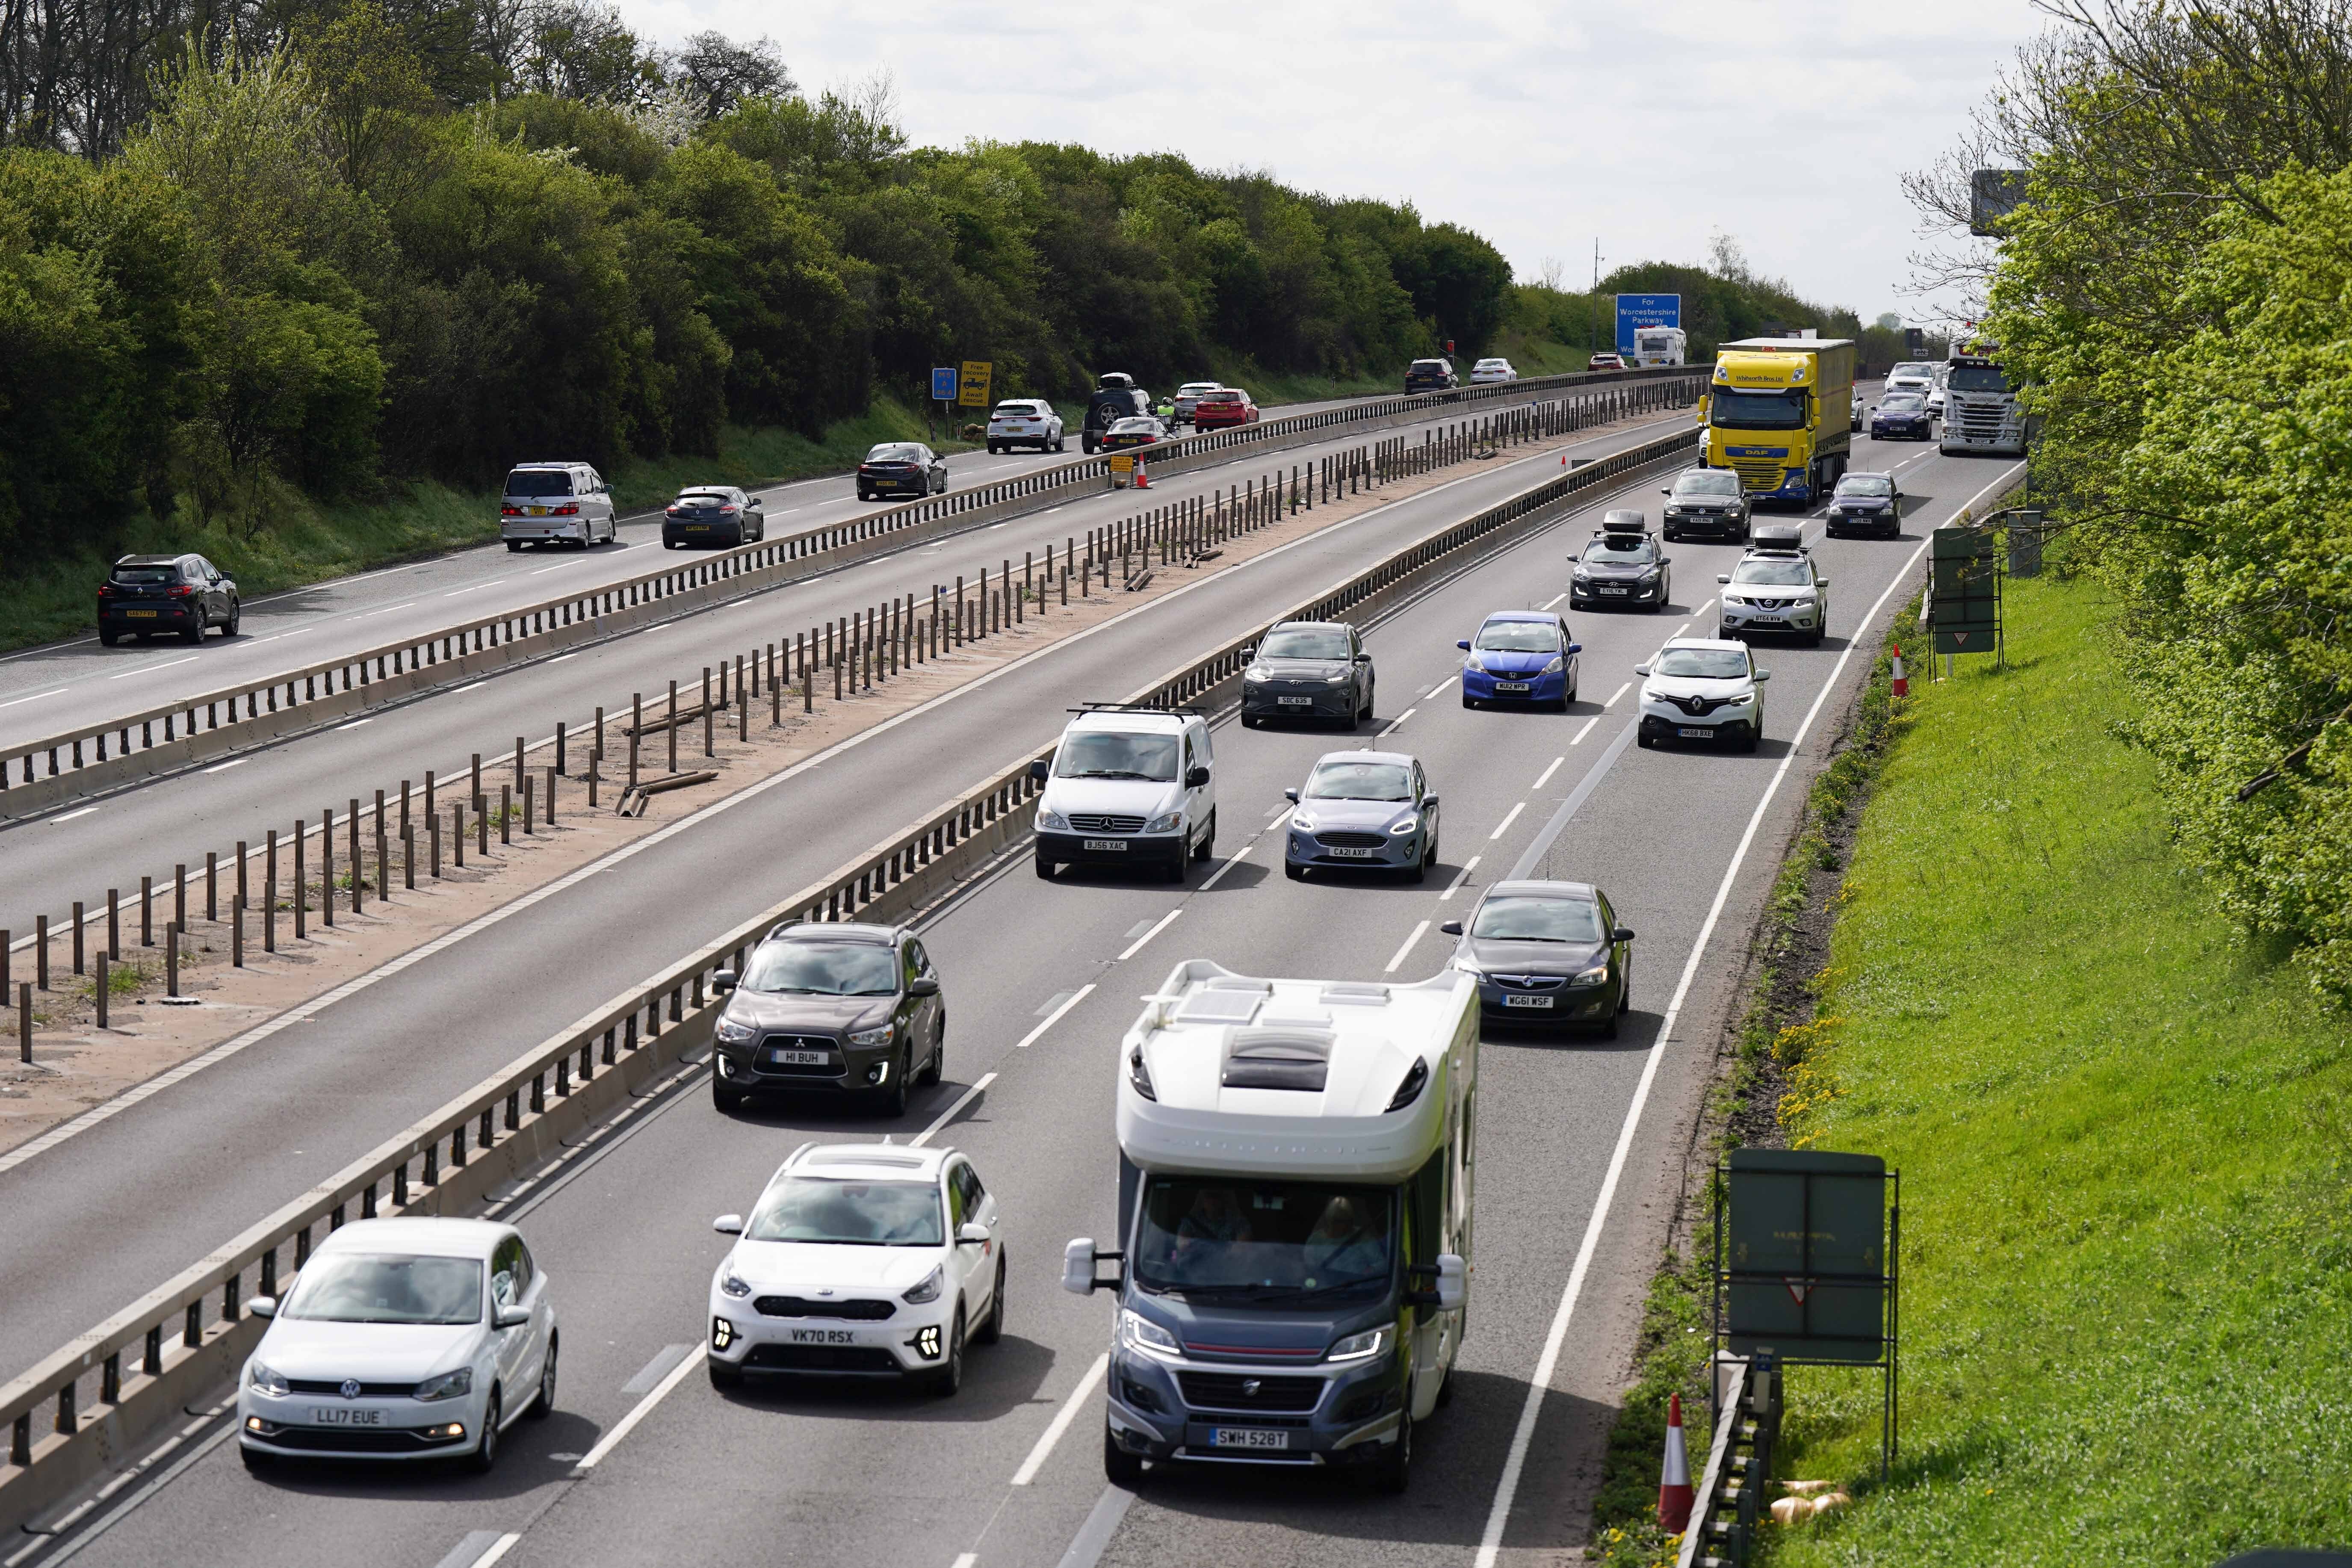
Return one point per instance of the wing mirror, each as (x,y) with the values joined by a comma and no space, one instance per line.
(1038,771)
(1723,576)
(1249,651)
(727,1225)
(1667,492)
(1079,1260)
(1291,795)
(1452,1281)
(971,1235)
(1623,933)
(722,981)
(1464,645)
(511,1316)
(1451,928)
(1821,582)
(924,986)
(1763,675)
(1197,778)
(1429,803)
(263,1306)
(1666,560)
(1576,647)
(1363,659)
(1640,669)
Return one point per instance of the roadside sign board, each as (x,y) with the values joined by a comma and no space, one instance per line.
(1805,1265)
(1635,312)
(943,383)
(1964,603)
(976,374)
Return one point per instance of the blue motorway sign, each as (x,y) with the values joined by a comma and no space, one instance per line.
(1638,310)
(943,383)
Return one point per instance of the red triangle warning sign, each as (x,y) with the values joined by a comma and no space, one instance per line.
(1798,1289)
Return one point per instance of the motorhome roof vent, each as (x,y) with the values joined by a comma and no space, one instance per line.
(1279,1059)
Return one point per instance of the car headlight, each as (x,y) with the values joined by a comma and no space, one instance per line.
(1650,576)
(927,1288)
(1555,667)
(1596,975)
(733,1284)
(1581,575)
(1360,1347)
(731,1032)
(1166,824)
(1254,673)
(881,1036)
(1304,823)
(1472,661)
(1053,821)
(1341,678)
(1406,826)
(448,1385)
(1144,1334)
(265,1381)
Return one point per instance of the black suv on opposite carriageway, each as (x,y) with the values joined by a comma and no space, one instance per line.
(833,1007)
(145,594)
(1429,375)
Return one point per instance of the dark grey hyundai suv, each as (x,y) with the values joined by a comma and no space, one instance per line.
(1309,670)
(831,1007)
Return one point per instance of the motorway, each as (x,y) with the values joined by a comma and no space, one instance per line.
(1580,1155)
(45,687)
(80,849)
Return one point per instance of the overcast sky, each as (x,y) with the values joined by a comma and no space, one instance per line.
(1648,124)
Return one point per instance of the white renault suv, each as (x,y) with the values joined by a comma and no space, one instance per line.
(1128,786)
(401,1339)
(1702,688)
(859,1260)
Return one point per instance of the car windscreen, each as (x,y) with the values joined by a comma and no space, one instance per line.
(386,1288)
(1866,485)
(824,968)
(1733,409)
(538,482)
(1518,636)
(1018,411)
(849,1212)
(1978,378)
(895,454)
(1136,426)
(1707,483)
(1359,780)
(1276,1243)
(1778,573)
(1702,663)
(1539,920)
(146,576)
(1302,643)
(1623,548)
(1114,755)
(1920,369)
(1902,403)
(1196,388)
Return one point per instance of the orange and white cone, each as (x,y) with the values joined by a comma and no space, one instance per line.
(1142,483)
(1902,681)
(1675,1495)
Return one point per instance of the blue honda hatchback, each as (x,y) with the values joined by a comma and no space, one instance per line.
(1519,656)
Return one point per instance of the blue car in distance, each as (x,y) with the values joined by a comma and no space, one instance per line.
(1520,656)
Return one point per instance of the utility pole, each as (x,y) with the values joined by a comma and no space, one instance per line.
(1592,311)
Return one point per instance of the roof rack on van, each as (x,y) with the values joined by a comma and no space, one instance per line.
(1127,708)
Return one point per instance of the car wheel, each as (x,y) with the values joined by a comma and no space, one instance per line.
(544,1405)
(727,1101)
(485,1457)
(991,1328)
(1393,1469)
(1754,734)
(1045,868)
(1645,741)
(1608,1031)
(1207,847)
(235,617)
(937,1065)
(948,1379)
(1419,870)
(1120,1468)
(109,639)
(194,634)
(723,1377)
(894,1098)
(1468,700)
(1293,870)
(1060,444)
(1249,721)
(991,448)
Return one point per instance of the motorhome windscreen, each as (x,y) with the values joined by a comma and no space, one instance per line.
(1729,408)
(1278,1244)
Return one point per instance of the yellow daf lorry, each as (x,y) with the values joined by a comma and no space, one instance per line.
(1779,414)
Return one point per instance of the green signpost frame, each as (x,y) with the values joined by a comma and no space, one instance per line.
(1805,1247)
(1964,591)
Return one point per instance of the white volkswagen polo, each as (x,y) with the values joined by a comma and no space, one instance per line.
(401,1339)
(860,1260)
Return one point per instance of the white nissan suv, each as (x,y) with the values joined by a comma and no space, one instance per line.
(1702,688)
(874,1261)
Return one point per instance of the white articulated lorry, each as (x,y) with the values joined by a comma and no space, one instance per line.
(1296,1171)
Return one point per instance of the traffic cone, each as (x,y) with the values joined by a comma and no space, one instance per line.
(1675,1483)
(1902,681)
(1142,483)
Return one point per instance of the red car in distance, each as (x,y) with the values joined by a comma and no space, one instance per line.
(1223,409)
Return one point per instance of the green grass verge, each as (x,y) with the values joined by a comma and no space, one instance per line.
(307,542)
(2126,1141)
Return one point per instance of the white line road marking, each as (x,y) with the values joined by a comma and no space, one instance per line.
(470,1551)
(1139,928)
(147,669)
(656,1369)
(1678,631)
(1507,1486)
(281,636)
(1438,690)
(69,816)
(507,1543)
(1464,875)
(355,723)
(1509,817)
(1702,609)
(471,687)
(1586,731)
(1061,1422)
(1616,694)
(953,1111)
(1055,1000)
(363,614)
(225,767)
(1555,599)
(1102,1522)
(637,1411)
(178,1467)
(1551,770)
(474,589)
(1419,931)
(1137,946)
(1231,861)
(965,1560)
(1286,809)
(1055,1018)
(1396,723)
(36,697)
(559,658)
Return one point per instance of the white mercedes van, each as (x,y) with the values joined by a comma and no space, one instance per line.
(1128,786)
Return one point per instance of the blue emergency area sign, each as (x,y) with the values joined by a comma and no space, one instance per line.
(943,383)
(1638,310)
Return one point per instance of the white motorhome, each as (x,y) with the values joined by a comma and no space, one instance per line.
(1296,1163)
(1659,345)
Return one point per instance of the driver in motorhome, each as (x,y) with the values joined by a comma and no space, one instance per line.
(1346,1242)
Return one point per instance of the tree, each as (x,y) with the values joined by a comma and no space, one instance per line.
(372,89)
(722,76)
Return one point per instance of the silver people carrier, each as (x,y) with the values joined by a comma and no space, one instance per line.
(556,503)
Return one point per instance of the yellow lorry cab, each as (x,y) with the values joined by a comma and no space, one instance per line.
(1778,413)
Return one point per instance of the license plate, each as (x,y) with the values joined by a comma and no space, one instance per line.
(698,527)
(141,614)
(1766,621)
(344,1415)
(1247,1437)
(824,1337)
(1352,854)
(1688,734)
(1295,702)
(1116,845)
(779,1057)
(1527,1001)
(1612,590)
(535,510)
(1511,686)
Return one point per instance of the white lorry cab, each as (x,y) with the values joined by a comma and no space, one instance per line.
(1659,345)
(1295,1171)
(1128,786)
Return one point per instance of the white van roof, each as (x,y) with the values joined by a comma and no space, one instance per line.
(1128,721)
(1274,1076)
